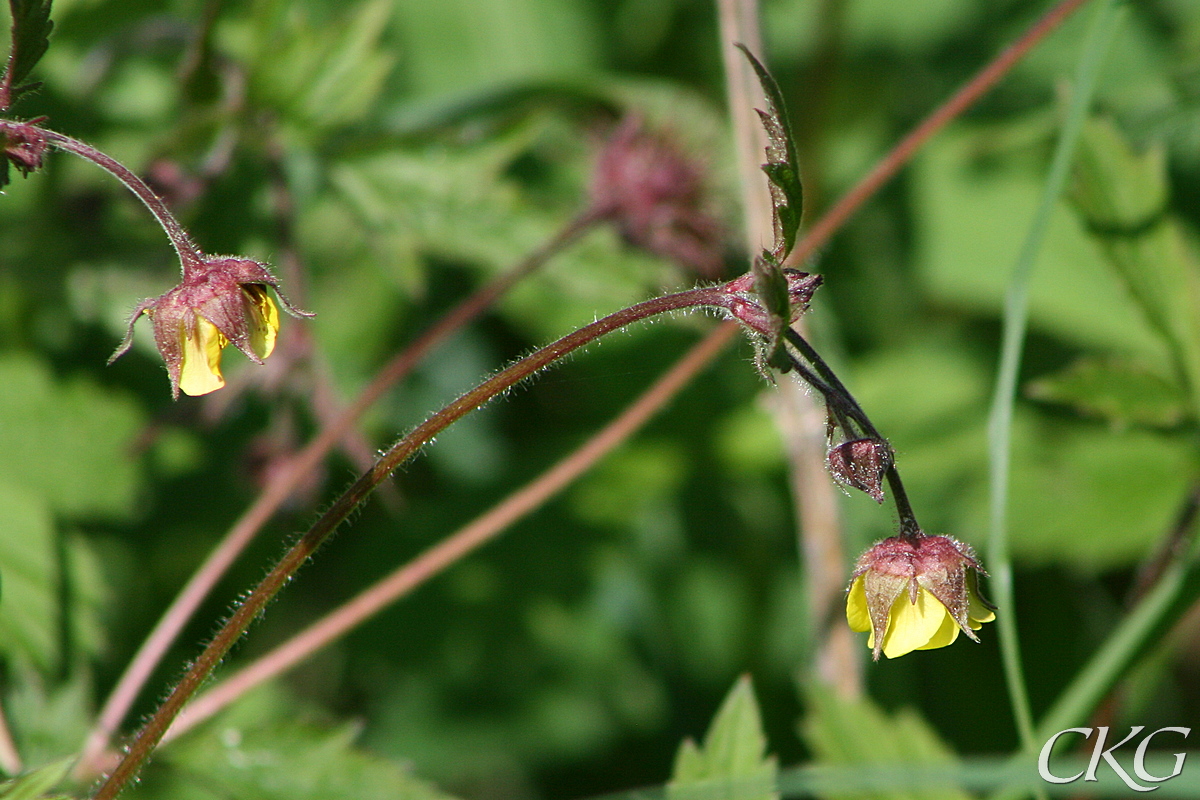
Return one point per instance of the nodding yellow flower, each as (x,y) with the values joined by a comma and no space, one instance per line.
(916,593)
(221,301)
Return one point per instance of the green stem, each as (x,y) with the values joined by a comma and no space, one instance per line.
(254,603)
(1123,645)
(1016,314)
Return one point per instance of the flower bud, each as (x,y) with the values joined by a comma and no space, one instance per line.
(861,464)
(647,185)
(916,593)
(221,301)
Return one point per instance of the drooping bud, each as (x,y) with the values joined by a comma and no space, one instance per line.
(916,593)
(222,300)
(861,464)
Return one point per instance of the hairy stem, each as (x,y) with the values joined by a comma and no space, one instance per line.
(189,254)
(283,482)
(254,603)
(456,546)
(847,409)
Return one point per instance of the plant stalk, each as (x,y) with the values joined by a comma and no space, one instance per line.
(173,620)
(450,550)
(254,603)
(189,254)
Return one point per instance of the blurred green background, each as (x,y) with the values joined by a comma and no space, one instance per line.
(425,147)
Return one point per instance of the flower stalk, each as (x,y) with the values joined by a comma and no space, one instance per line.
(282,483)
(189,254)
(735,297)
(467,539)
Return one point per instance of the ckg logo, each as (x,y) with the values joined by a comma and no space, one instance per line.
(1099,751)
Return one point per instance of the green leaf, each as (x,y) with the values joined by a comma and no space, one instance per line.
(782,167)
(974,196)
(29,611)
(1122,197)
(30,37)
(34,785)
(69,441)
(317,74)
(1121,391)
(841,731)
(263,748)
(771,286)
(48,721)
(32,558)
(732,763)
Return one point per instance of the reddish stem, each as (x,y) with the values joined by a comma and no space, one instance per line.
(285,481)
(190,256)
(254,603)
(454,547)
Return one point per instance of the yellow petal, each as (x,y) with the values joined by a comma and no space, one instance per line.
(945,635)
(263,317)
(856,607)
(912,626)
(977,612)
(200,369)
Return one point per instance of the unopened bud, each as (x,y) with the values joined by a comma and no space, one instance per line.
(861,464)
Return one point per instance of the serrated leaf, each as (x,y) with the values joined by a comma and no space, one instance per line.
(31,27)
(1121,391)
(1122,197)
(782,167)
(35,784)
(841,731)
(263,748)
(732,763)
(69,441)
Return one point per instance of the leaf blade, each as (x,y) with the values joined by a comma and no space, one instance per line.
(782,167)
(31,26)
(732,764)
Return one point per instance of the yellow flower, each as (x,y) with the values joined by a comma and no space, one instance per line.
(923,625)
(221,301)
(916,593)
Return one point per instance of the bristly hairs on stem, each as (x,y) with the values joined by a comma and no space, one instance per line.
(189,254)
(731,297)
(175,618)
(456,546)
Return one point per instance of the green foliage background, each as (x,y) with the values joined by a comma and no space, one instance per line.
(428,146)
